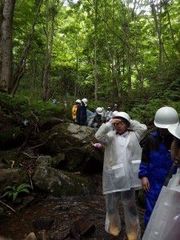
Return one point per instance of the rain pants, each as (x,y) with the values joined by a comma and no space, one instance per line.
(113,221)
(155,165)
(120,176)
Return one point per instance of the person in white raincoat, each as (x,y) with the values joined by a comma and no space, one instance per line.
(164,223)
(121,137)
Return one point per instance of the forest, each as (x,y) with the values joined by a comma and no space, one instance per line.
(124,52)
(53,52)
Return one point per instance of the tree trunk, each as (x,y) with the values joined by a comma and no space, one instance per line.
(49,43)
(46,74)
(77,69)
(6,45)
(158,31)
(95,55)
(114,73)
(129,70)
(1,19)
(19,72)
(170,25)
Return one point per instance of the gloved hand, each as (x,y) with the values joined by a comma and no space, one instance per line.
(97,145)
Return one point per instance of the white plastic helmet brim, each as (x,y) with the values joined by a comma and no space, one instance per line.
(173,130)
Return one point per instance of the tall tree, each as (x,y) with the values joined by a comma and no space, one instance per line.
(20,67)
(6,45)
(1,18)
(95,50)
(51,12)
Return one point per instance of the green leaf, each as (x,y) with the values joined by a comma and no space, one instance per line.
(14,196)
(23,186)
(24,190)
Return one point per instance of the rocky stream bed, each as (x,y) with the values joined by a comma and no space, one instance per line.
(72,217)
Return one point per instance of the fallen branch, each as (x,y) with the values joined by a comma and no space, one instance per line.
(41,144)
(30,180)
(28,155)
(6,205)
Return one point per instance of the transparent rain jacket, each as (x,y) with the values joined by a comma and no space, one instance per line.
(174,182)
(164,223)
(122,157)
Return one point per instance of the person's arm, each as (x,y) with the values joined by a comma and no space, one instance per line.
(144,165)
(101,134)
(175,151)
(138,128)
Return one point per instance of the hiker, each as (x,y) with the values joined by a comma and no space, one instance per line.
(90,117)
(115,107)
(120,138)
(98,118)
(108,114)
(165,219)
(75,109)
(82,112)
(156,159)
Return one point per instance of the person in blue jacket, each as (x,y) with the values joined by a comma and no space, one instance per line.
(156,157)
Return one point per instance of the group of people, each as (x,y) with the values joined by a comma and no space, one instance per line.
(102,115)
(134,159)
(83,116)
(79,111)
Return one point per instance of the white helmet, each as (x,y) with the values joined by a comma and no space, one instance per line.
(165,117)
(175,130)
(85,101)
(78,101)
(114,113)
(124,115)
(99,110)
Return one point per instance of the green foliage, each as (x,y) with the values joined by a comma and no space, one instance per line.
(146,112)
(25,105)
(16,103)
(13,192)
(119,36)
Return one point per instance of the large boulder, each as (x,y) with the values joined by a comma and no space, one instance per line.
(85,159)
(59,183)
(80,133)
(64,136)
(76,143)
(50,161)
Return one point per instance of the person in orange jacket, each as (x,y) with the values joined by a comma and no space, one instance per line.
(74,110)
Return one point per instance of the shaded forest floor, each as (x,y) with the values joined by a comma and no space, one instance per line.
(64,211)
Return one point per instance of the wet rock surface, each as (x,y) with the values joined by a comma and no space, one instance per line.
(58,183)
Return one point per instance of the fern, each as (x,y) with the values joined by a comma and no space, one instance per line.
(13,192)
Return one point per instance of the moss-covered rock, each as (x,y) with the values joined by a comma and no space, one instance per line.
(66,135)
(60,183)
